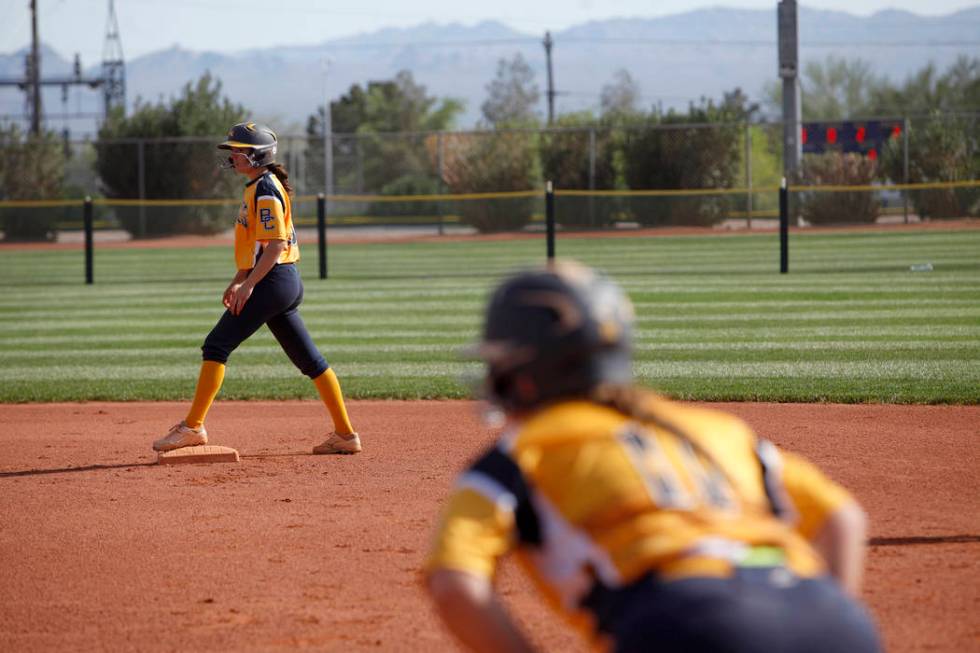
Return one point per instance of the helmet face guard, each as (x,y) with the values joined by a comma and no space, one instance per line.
(553,334)
(257,143)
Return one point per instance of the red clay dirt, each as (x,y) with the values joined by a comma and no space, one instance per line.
(103,549)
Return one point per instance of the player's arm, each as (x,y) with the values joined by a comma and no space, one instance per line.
(841,541)
(269,222)
(239,294)
(828,516)
(479,526)
(469,607)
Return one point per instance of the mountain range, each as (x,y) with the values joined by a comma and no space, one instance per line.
(674,59)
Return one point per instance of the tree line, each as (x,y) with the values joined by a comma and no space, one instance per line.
(623,145)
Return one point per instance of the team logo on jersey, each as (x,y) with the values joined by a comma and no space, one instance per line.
(268,220)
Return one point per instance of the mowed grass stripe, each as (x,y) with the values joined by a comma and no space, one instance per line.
(436,321)
(902,284)
(941,369)
(911,337)
(473,304)
(440,354)
(731,253)
(773,333)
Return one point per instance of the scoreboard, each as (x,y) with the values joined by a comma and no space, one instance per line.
(866,137)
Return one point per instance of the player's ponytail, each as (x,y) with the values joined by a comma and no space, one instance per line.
(280,172)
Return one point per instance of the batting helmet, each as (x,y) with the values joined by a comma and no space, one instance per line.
(259,140)
(555,333)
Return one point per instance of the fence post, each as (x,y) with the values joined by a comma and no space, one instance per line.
(88,227)
(748,175)
(321,232)
(592,155)
(141,171)
(783,227)
(905,165)
(440,162)
(549,207)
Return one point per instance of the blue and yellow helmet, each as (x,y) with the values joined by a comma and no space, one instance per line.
(259,141)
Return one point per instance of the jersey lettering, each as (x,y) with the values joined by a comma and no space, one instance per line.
(664,483)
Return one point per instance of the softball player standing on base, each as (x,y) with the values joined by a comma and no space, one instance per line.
(651,525)
(265,290)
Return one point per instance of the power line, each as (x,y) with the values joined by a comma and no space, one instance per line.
(529,41)
(767,43)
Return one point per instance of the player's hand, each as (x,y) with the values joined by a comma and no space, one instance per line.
(239,296)
(228,294)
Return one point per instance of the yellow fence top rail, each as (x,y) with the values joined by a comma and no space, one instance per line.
(450,197)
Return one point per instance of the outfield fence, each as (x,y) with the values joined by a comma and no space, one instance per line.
(318,216)
(655,175)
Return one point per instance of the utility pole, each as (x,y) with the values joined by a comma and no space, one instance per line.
(551,78)
(34,74)
(112,81)
(789,56)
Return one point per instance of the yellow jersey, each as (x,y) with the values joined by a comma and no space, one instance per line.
(265,214)
(590,497)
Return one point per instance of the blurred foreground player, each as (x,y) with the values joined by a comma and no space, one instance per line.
(650,525)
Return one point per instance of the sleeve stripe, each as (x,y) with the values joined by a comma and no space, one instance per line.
(489,488)
(269,189)
(772,478)
(502,469)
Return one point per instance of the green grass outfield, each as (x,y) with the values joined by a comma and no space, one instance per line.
(850,323)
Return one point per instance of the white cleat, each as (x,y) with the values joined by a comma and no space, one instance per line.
(181,436)
(336,443)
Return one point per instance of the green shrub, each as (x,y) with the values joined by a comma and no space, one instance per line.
(838,207)
(490,163)
(31,168)
(658,155)
(179,161)
(565,160)
(942,148)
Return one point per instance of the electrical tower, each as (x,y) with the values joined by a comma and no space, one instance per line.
(113,65)
(112,80)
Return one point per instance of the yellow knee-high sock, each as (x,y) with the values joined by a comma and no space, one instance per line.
(329,388)
(208,384)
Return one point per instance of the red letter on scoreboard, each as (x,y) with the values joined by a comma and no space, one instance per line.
(831,135)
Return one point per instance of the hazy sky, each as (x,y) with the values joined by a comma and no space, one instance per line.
(71,26)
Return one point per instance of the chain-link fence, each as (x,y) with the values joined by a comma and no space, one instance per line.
(708,175)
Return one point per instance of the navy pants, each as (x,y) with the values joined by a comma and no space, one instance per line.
(764,610)
(274,302)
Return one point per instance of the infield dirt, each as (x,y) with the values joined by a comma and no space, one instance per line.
(103,549)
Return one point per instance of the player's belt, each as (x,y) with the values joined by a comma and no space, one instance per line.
(710,558)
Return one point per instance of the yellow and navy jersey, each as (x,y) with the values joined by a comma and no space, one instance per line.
(265,214)
(589,497)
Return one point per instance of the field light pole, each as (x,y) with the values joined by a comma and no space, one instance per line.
(789,57)
(327,137)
